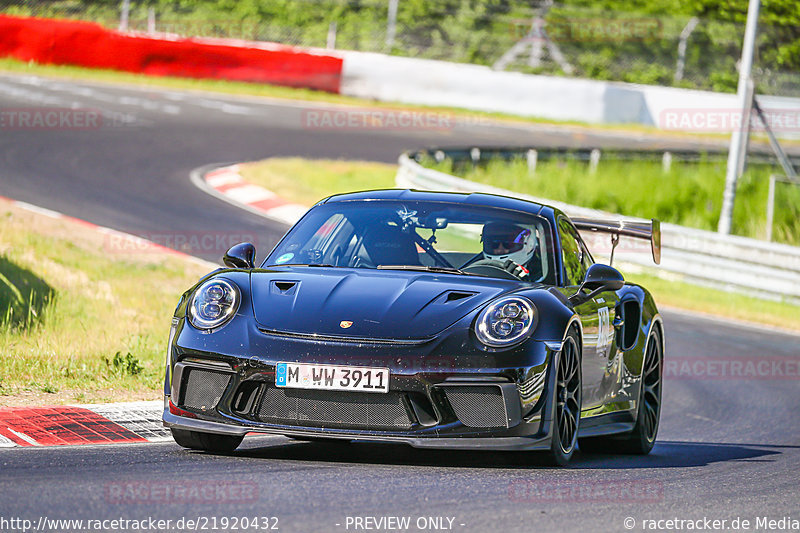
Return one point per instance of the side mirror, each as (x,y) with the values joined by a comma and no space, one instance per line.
(599,278)
(242,255)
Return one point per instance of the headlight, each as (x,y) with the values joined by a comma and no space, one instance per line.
(213,303)
(505,322)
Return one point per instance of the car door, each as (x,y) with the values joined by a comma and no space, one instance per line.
(596,317)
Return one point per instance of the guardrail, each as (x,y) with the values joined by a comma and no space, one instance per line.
(758,268)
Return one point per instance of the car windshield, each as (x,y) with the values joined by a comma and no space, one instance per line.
(432,236)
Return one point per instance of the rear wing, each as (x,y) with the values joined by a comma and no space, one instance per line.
(630,228)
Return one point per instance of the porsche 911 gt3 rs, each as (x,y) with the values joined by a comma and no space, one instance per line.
(440,320)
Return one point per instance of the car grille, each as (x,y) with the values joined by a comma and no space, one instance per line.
(478,407)
(203,389)
(332,408)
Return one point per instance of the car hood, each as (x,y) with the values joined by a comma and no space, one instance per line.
(382,304)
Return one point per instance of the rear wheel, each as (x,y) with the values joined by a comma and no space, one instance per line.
(568,403)
(210,442)
(643,437)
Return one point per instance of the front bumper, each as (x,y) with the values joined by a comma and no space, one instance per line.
(478,400)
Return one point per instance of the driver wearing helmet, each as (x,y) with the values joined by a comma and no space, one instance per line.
(509,246)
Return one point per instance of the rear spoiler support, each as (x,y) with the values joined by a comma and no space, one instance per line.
(630,228)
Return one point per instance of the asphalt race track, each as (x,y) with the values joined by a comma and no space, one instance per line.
(727,449)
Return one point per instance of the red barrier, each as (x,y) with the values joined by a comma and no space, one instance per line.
(62,42)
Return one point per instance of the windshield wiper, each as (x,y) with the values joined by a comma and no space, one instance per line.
(422,268)
(304,265)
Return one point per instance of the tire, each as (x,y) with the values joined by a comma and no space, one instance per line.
(209,442)
(642,438)
(567,398)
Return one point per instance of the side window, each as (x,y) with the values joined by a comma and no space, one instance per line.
(573,253)
(328,244)
(586,257)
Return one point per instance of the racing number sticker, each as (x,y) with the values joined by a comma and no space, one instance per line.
(603,331)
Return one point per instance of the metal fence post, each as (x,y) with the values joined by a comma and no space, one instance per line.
(770,206)
(594,160)
(533,157)
(331,44)
(784,160)
(666,162)
(391,24)
(475,155)
(687,31)
(737,138)
(124,14)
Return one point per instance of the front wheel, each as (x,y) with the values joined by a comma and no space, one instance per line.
(210,442)
(567,403)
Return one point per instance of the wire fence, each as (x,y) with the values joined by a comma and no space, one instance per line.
(532,37)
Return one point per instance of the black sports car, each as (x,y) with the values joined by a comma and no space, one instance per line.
(440,320)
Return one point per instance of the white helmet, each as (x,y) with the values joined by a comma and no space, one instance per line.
(503,240)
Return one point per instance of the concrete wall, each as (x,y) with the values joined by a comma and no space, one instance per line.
(429,82)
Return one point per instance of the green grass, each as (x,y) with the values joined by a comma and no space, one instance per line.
(682,295)
(24,297)
(690,194)
(80,322)
(305,182)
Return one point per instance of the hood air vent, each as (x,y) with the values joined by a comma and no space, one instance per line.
(453,296)
(284,287)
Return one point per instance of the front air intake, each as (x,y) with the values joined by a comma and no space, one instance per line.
(203,388)
(314,408)
(478,406)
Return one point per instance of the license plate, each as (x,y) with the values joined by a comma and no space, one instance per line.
(331,377)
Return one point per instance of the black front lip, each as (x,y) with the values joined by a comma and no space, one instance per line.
(514,443)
